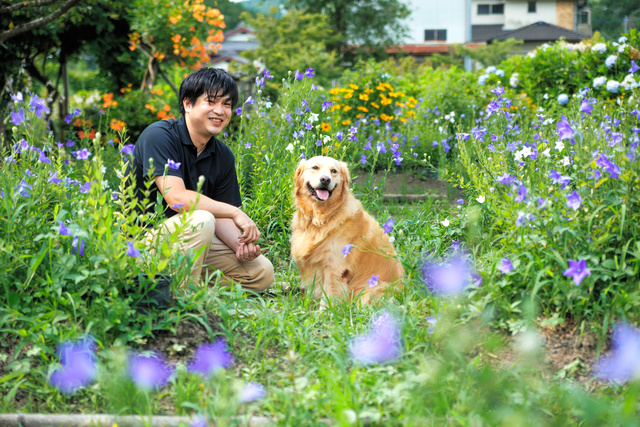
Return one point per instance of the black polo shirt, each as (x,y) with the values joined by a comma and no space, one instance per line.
(169,139)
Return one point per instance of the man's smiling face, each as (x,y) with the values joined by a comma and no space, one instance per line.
(207,117)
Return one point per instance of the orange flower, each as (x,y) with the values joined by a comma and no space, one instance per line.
(346,122)
(325,127)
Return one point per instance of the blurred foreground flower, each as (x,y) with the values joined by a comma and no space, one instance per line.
(251,392)
(449,277)
(78,366)
(149,372)
(381,344)
(624,363)
(210,358)
(506,266)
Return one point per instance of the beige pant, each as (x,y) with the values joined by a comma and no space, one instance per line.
(199,232)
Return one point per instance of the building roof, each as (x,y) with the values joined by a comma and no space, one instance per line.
(482,33)
(540,32)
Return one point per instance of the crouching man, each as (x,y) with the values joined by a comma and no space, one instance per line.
(189,147)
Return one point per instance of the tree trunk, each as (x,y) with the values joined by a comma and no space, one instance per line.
(150,74)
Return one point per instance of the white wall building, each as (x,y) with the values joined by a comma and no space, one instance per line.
(437,21)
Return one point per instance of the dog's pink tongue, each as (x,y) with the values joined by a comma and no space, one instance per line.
(322,194)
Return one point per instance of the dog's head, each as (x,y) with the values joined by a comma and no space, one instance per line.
(321,179)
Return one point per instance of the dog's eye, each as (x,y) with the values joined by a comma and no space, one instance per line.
(315,168)
(334,171)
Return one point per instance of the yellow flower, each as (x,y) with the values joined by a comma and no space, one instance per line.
(346,122)
(363,97)
(354,87)
(386,101)
(367,90)
(361,108)
(403,120)
(335,91)
(385,117)
(346,108)
(373,104)
(348,96)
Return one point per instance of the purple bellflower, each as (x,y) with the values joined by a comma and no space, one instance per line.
(381,344)
(577,270)
(624,362)
(149,372)
(210,358)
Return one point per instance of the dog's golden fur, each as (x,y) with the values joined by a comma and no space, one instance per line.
(328,217)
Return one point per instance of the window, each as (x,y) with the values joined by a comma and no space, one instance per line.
(531,7)
(583,17)
(435,35)
(491,9)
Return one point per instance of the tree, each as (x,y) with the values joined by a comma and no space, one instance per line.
(366,27)
(608,16)
(177,30)
(296,41)
(42,35)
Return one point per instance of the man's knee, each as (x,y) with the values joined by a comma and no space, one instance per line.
(266,276)
(202,226)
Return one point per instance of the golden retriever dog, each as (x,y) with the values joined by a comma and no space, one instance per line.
(328,217)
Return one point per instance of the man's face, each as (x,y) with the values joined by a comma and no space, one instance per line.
(207,117)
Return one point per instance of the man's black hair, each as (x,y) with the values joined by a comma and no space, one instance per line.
(212,81)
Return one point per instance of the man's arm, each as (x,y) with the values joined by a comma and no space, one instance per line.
(174,192)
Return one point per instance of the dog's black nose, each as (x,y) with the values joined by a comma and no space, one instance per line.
(325,180)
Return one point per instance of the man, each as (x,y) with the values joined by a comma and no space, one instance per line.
(188,145)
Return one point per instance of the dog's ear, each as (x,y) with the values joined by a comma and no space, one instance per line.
(299,171)
(344,173)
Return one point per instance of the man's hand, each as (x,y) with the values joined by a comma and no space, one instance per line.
(247,252)
(250,232)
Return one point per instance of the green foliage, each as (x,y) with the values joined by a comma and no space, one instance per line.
(292,42)
(367,27)
(566,68)
(608,17)
(468,367)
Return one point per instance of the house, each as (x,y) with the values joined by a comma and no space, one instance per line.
(436,25)
(535,22)
(235,41)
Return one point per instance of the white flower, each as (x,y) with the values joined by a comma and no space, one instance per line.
(599,47)
(546,96)
(629,82)
(289,147)
(526,151)
(612,86)
(268,104)
(611,61)
(500,73)
(490,69)
(480,199)
(313,117)
(483,78)
(559,145)
(547,152)
(563,99)
(566,161)
(517,155)
(622,47)
(599,81)
(622,39)
(514,80)
(445,222)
